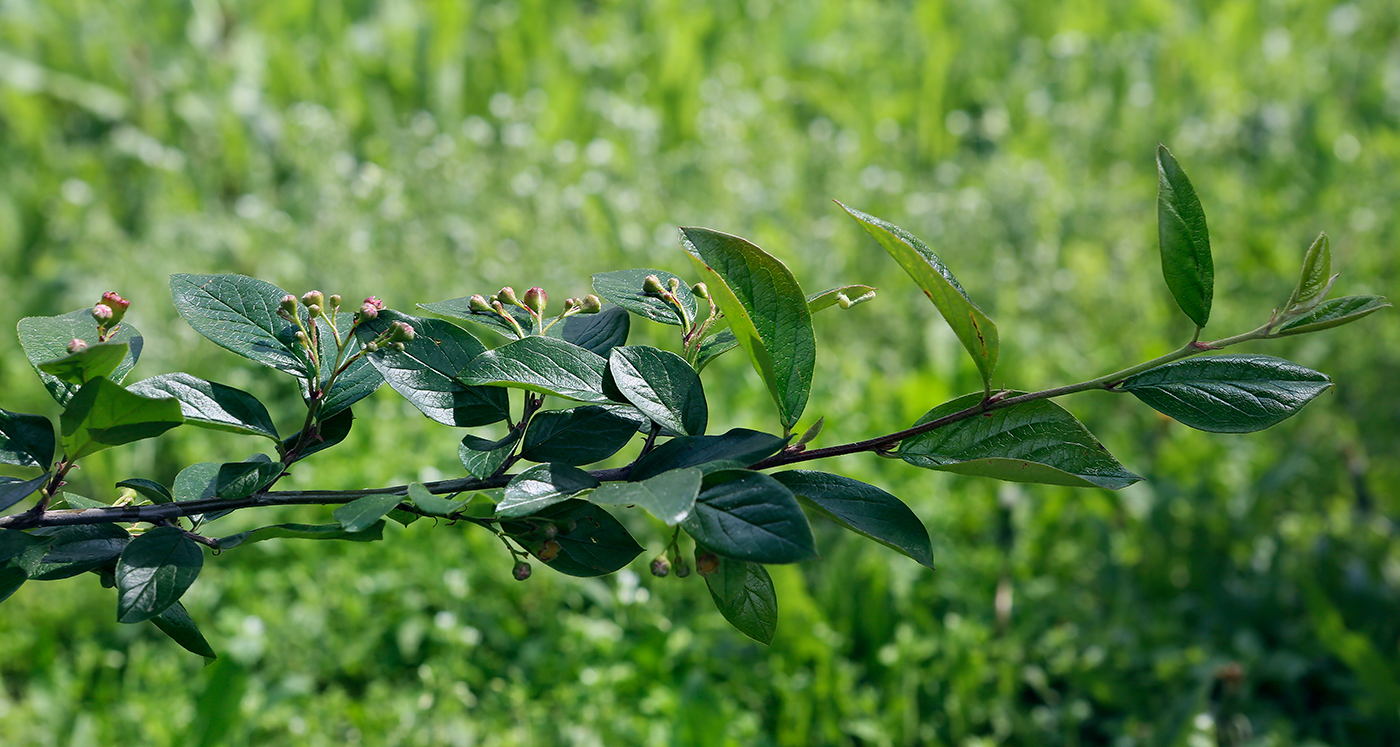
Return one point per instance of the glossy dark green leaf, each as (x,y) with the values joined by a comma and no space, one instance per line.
(750,516)
(11,578)
(102,415)
(328,432)
(1333,313)
(436,505)
(239,313)
(26,440)
(973,328)
(241,479)
(79,368)
(862,508)
(723,341)
(541,364)
(591,541)
(357,381)
(176,622)
(1034,441)
(14,544)
(744,594)
(1315,277)
(78,549)
(541,486)
(600,332)
(149,489)
(196,482)
(1228,393)
(483,458)
(372,533)
(154,571)
(460,308)
(661,385)
(766,311)
(624,288)
(361,513)
(13,490)
(210,405)
(45,338)
(1184,240)
(582,435)
(739,447)
(425,372)
(669,496)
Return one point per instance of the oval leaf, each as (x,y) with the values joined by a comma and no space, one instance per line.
(1034,441)
(750,516)
(372,533)
(663,386)
(1228,393)
(1184,240)
(210,405)
(26,440)
(1334,313)
(591,541)
(425,371)
(744,594)
(541,364)
(624,288)
(435,505)
(582,435)
(148,489)
(45,338)
(102,415)
(154,571)
(669,496)
(739,447)
(362,513)
(600,332)
(328,432)
(85,365)
(862,508)
(542,486)
(239,313)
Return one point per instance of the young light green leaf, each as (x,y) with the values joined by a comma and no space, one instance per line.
(1315,277)
(176,622)
(45,338)
(239,313)
(973,328)
(662,385)
(1034,441)
(102,415)
(750,516)
(1333,313)
(1184,240)
(95,360)
(149,489)
(362,513)
(460,308)
(483,458)
(541,364)
(26,440)
(600,332)
(13,490)
(425,371)
(373,533)
(541,486)
(436,505)
(591,541)
(1228,393)
(624,288)
(154,571)
(862,508)
(766,311)
(78,549)
(582,435)
(744,594)
(739,447)
(669,496)
(210,405)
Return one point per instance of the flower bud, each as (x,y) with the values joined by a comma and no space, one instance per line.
(334,301)
(76,345)
(701,291)
(301,337)
(506,296)
(401,332)
(289,304)
(550,531)
(653,285)
(371,348)
(590,305)
(521,570)
(313,298)
(549,550)
(368,312)
(117,304)
(674,284)
(706,564)
(377,304)
(661,566)
(478,303)
(313,311)
(536,299)
(102,314)
(682,568)
(398,346)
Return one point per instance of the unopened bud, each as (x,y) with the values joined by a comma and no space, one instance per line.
(334,301)
(521,570)
(478,303)
(398,346)
(301,337)
(102,314)
(590,304)
(549,550)
(536,299)
(506,296)
(661,567)
(550,531)
(701,291)
(706,564)
(371,348)
(682,568)
(117,304)
(289,304)
(652,284)
(377,304)
(674,284)
(313,311)
(401,332)
(313,298)
(368,312)
(76,345)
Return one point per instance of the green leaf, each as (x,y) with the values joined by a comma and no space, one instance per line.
(541,364)
(669,496)
(624,288)
(744,594)
(750,516)
(600,332)
(11,578)
(1228,393)
(845,297)
(541,486)
(73,500)
(372,533)
(1184,240)
(1331,314)
(102,415)
(739,447)
(95,361)
(460,308)
(663,386)
(241,479)
(45,338)
(425,372)
(973,328)
(150,489)
(483,458)
(428,503)
(1034,441)
(1315,277)
(13,490)
(362,513)
(329,432)
(864,509)
(766,310)
(196,482)
(176,622)
(582,435)
(26,440)
(78,549)
(14,544)
(239,313)
(154,571)
(210,405)
(591,541)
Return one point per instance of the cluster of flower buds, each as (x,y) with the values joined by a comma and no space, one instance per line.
(314,301)
(535,301)
(108,313)
(652,286)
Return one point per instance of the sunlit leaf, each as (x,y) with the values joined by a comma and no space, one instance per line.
(1184,240)
(1228,393)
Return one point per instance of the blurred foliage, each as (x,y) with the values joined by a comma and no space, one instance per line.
(1247,593)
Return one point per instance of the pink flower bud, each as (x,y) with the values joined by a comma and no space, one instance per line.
(289,304)
(535,299)
(102,314)
(117,304)
(375,303)
(401,332)
(506,296)
(652,284)
(313,298)
(368,312)
(661,567)
(77,346)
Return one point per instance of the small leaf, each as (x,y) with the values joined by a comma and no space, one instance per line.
(723,341)
(739,447)
(26,440)
(239,313)
(1331,314)
(425,372)
(150,489)
(460,308)
(372,533)
(541,364)
(362,513)
(1315,277)
(973,328)
(669,496)
(600,332)
(210,405)
(1034,441)
(428,503)
(743,593)
(591,541)
(154,571)
(94,361)
(1184,240)
(750,516)
(483,458)
(176,622)
(1228,393)
(13,490)
(663,386)
(541,486)
(45,338)
(766,310)
(102,415)
(582,435)
(624,288)
(862,508)
(78,549)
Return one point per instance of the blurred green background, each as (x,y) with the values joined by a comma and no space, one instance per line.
(426,151)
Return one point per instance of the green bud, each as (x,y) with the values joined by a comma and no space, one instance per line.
(289,304)
(506,296)
(661,566)
(701,291)
(674,284)
(521,570)
(334,301)
(401,332)
(313,298)
(536,299)
(398,346)
(371,348)
(313,311)
(653,285)
(590,305)
(682,569)
(478,303)
(301,337)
